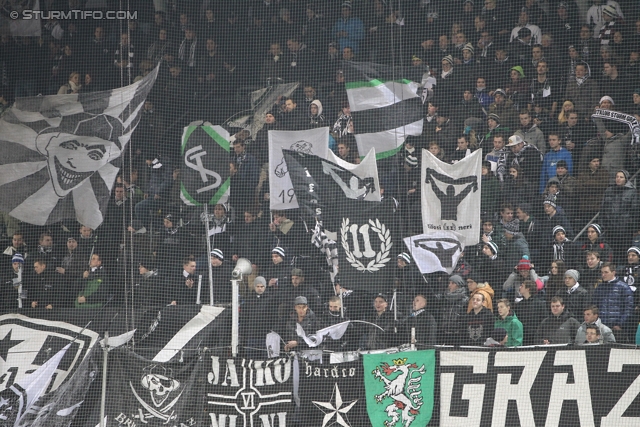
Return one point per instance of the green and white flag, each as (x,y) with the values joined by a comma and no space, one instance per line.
(205,153)
(399,388)
(385,107)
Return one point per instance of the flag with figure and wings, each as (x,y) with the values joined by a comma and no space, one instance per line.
(451,196)
(205,151)
(61,153)
(384,105)
(338,198)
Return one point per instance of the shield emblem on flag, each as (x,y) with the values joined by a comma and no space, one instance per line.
(399,388)
(205,179)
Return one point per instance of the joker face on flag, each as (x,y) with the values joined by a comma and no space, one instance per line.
(78,148)
(61,152)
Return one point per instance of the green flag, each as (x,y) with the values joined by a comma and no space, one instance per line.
(205,153)
(399,388)
(385,106)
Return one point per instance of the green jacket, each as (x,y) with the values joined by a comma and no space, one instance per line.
(513,327)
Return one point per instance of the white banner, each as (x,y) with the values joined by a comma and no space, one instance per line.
(368,168)
(435,251)
(312,141)
(451,196)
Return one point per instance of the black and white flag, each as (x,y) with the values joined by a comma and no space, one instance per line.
(332,394)
(144,392)
(435,251)
(27,343)
(205,153)
(164,334)
(336,197)
(249,393)
(61,153)
(262,101)
(334,332)
(320,183)
(59,408)
(451,196)
(19,397)
(385,106)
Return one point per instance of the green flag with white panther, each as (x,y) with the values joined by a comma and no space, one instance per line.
(399,388)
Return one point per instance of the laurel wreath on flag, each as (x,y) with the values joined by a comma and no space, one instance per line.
(381,257)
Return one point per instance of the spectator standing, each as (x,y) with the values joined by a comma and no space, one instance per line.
(592,317)
(614,298)
(531,311)
(559,328)
(619,213)
(478,322)
(508,321)
(95,287)
(452,306)
(422,322)
(552,157)
(576,297)
(349,31)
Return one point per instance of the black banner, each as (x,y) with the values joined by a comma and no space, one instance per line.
(332,394)
(143,392)
(248,393)
(548,385)
(554,386)
(366,230)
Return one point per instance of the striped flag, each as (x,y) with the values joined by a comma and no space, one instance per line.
(385,107)
(61,153)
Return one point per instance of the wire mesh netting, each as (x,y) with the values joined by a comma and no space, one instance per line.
(284,212)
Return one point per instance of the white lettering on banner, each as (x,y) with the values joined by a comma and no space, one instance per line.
(328,372)
(253,379)
(222,420)
(263,374)
(268,420)
(230,373)
(617,359)
(579,390)
(282,370)
(248,401)
(265,371)
(473,393)
(520,392)
(123,420)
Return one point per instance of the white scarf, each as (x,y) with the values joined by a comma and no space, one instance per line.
(74,87)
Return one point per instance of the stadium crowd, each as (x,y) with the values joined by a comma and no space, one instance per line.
(518,80)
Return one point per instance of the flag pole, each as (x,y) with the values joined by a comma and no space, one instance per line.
(105,359)
(206,224)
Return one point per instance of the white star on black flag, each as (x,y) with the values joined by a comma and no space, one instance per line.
(338,409)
